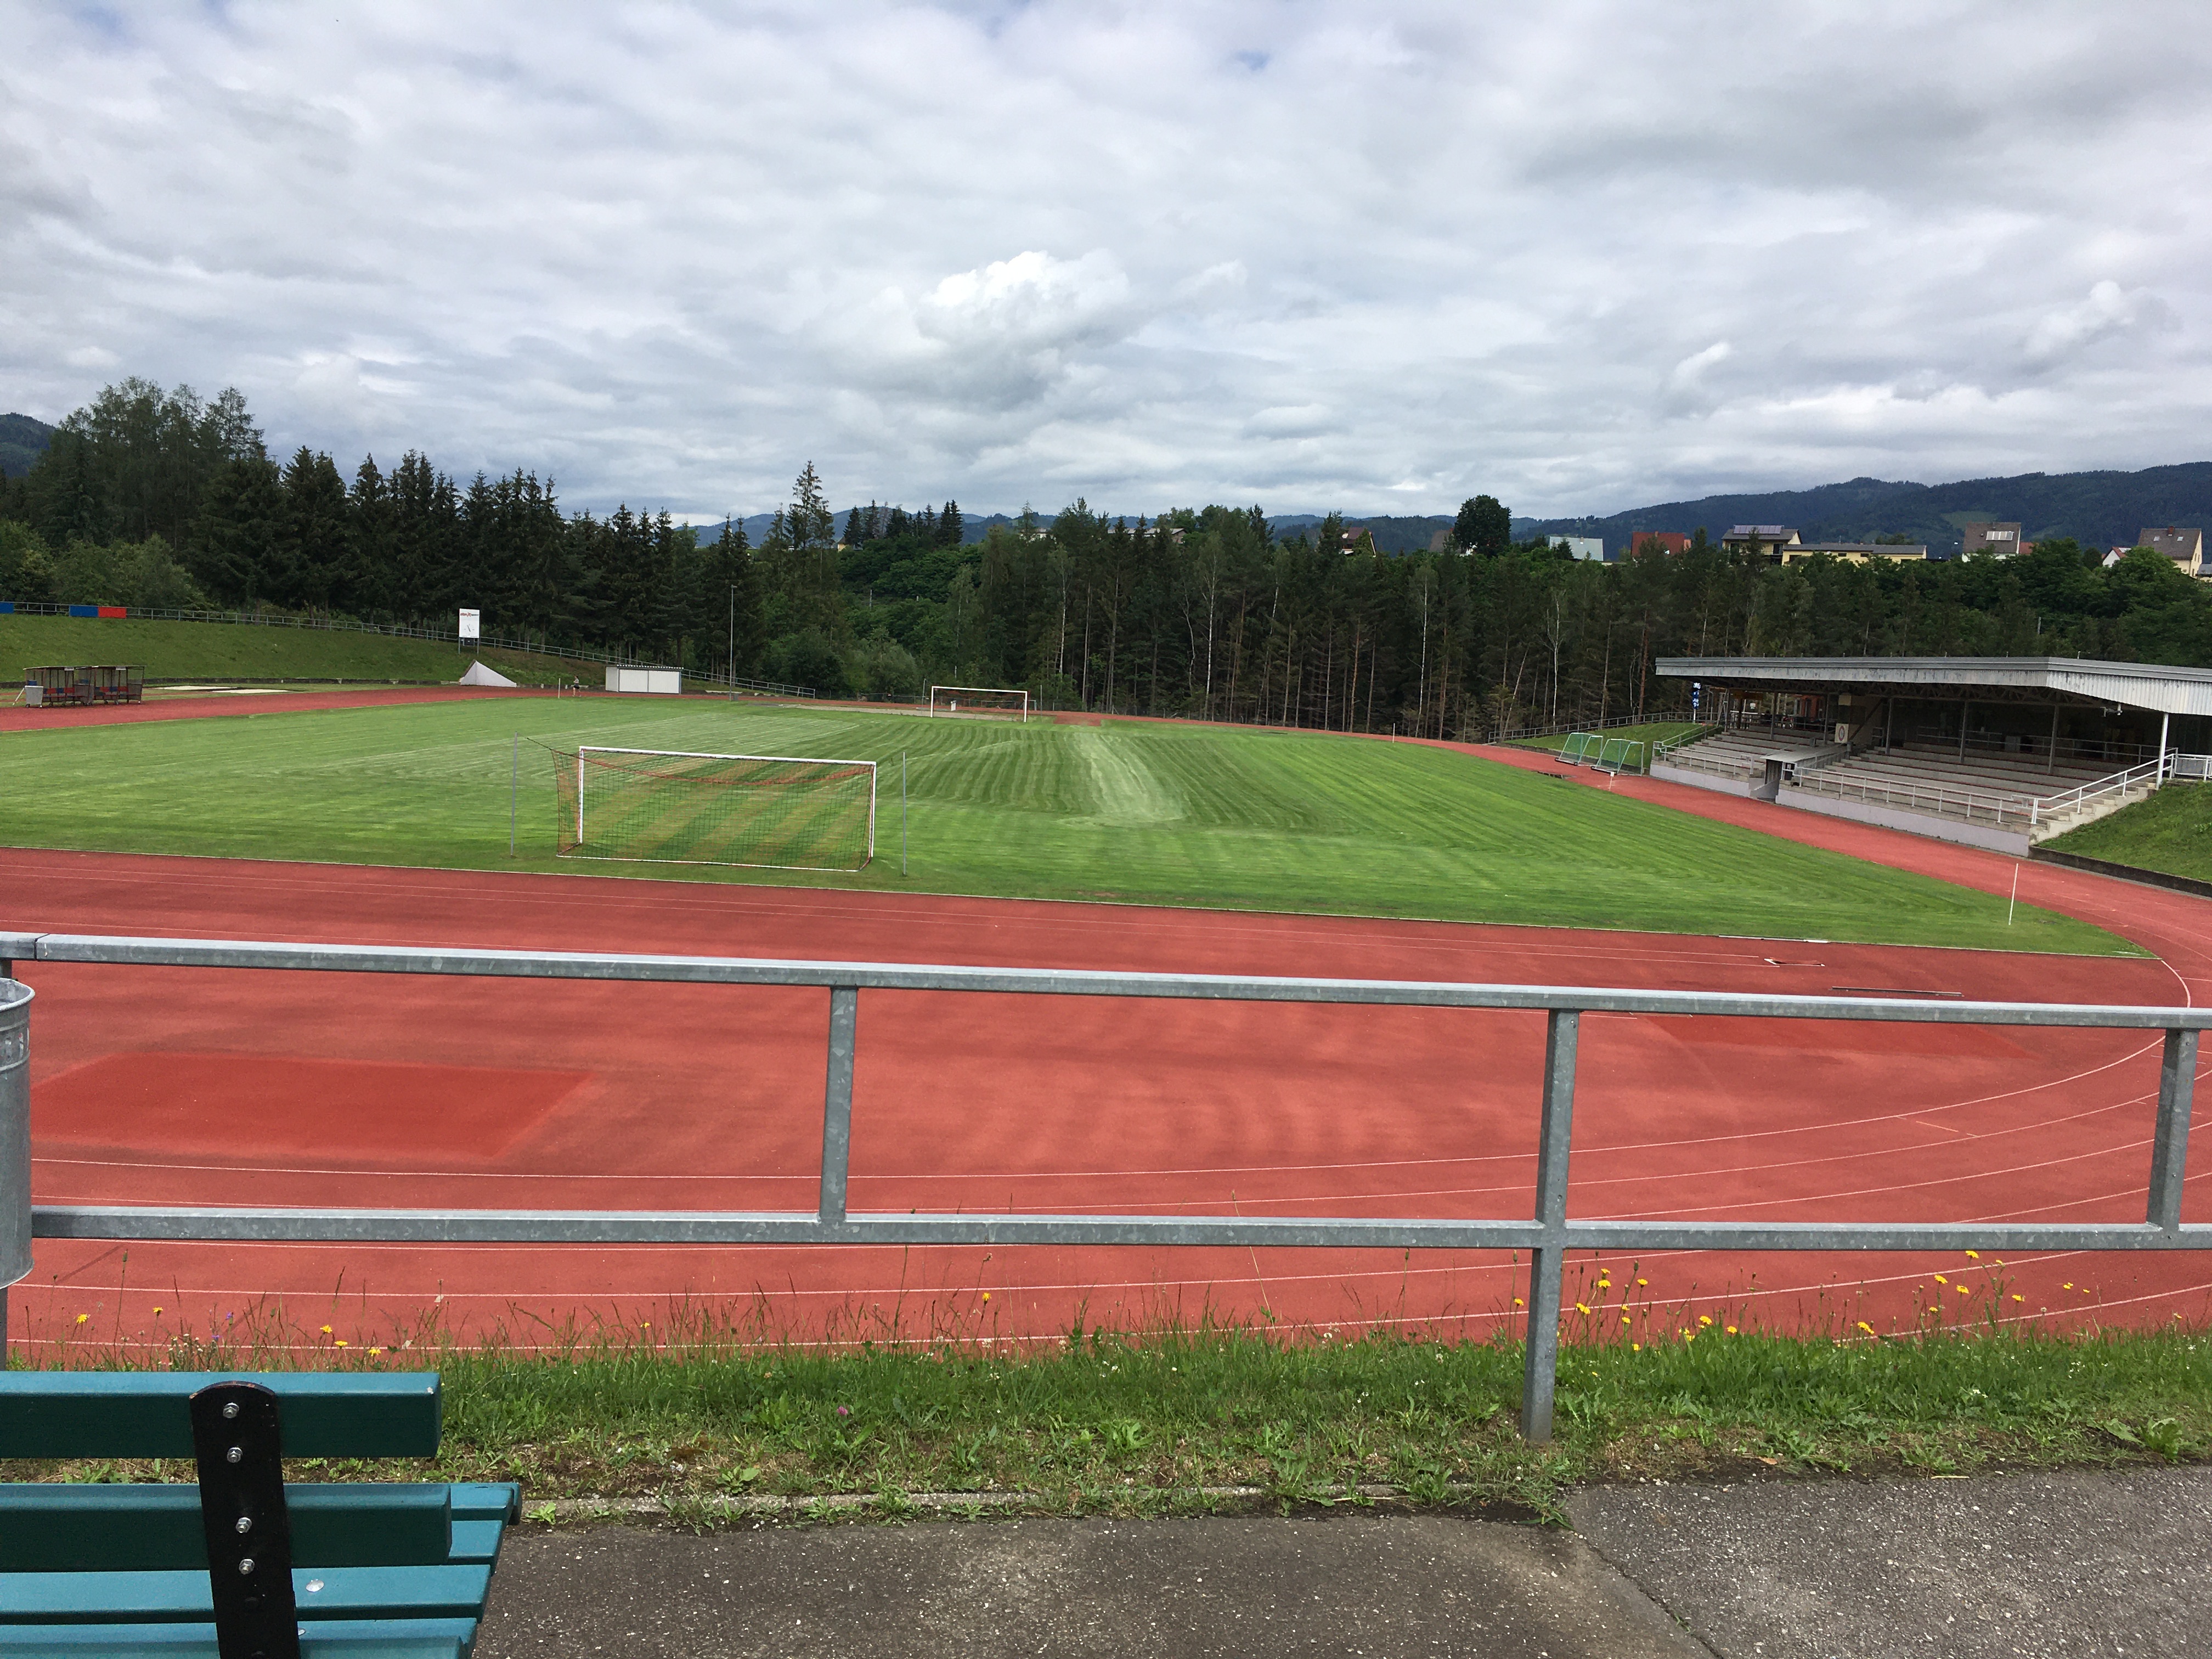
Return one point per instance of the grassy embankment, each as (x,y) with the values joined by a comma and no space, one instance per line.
(1146,812)
(1647,734)
(2170,832)
(686,1418)
(232,651)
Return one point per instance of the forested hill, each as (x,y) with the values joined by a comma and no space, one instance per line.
(22,440)
(2098,509)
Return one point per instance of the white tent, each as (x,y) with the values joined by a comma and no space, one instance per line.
(479,675)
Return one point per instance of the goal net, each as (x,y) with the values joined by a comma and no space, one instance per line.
(769,811)
(978,700)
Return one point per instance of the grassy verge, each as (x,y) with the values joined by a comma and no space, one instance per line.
(2170,832)
(1210,817)
(1215,1419)
(180,650)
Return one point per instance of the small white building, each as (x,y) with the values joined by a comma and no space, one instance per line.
(1585,547)
(666,681)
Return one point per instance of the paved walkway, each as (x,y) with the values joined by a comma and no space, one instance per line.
(2050,1567)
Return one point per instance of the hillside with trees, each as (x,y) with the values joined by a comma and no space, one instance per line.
(2098,509)
(160,499)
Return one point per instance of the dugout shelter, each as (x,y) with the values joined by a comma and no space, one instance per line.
(82,686)
(1996,751)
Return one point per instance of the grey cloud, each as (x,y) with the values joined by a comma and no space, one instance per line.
(1374,255)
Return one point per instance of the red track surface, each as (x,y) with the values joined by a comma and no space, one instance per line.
(216,705)
(231,1087)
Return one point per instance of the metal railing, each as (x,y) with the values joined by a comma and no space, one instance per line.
(1547,1234)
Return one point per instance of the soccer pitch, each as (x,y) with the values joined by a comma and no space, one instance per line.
(1134,811)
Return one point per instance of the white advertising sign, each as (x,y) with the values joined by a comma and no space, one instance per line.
(471,624)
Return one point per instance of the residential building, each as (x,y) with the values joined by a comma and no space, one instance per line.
(1764,541)
(1657,541)
(1999,540)
(2185,547)
(1855,552)
(1584,547)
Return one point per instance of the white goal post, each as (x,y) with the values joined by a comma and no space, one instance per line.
(978,700)
(682,806)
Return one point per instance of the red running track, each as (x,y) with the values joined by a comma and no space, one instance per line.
(204,1086)
(218,704)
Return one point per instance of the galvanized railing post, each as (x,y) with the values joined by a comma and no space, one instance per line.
(837,1101)
(2169,1146)
(15,1143)
(1547,1261)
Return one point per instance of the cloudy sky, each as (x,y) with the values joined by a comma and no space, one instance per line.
(1373,256)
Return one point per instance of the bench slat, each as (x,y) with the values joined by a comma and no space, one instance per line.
(336,1638)
(145,1413)
(483,1500)
(477,1541)
(53,1598)
(59,1527)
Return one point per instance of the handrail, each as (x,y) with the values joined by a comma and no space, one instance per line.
(1547,1234)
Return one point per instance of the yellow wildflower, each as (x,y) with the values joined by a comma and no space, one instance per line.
(1940,1279)
(80,1318)
(1973,1255)
(1705,1319)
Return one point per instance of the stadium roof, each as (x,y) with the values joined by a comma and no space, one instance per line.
(2129,685)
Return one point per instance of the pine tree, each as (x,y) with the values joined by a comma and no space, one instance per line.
(236,545)
(951,529)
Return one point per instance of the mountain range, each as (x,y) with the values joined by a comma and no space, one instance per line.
(22,440)
(2098,509)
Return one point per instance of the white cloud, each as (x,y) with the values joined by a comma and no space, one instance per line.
(2106,310)
(1376,255)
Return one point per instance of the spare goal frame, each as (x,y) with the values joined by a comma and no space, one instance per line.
(582,770)
(952,694)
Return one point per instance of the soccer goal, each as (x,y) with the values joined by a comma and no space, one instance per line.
(672,806)
(1619,755)
(978,700)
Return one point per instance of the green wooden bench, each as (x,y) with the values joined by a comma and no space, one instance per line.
(243,1566)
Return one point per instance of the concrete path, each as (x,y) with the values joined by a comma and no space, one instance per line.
(2050,1567)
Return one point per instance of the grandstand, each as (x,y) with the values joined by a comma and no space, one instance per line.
(1997,752)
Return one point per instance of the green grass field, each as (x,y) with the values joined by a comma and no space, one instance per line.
(175,650)
(2170,832)
(1147,812)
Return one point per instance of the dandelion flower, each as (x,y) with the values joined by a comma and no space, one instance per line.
(327,1330)
(987,1296)
(1731,1330)
(1624,1318)
(1581,1308)
(1973,1255)
(2067,1286)
(1867,1329)
(1636,1347)
(341,1342)
(1643,1281)
(1518,1303)
(376,1351)
(80,1318)
(1962,1290)
(157,1310)
(2018,1297)
(1704,1319)
(1940,1279)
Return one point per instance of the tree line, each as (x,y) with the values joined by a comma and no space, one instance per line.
(157,498)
